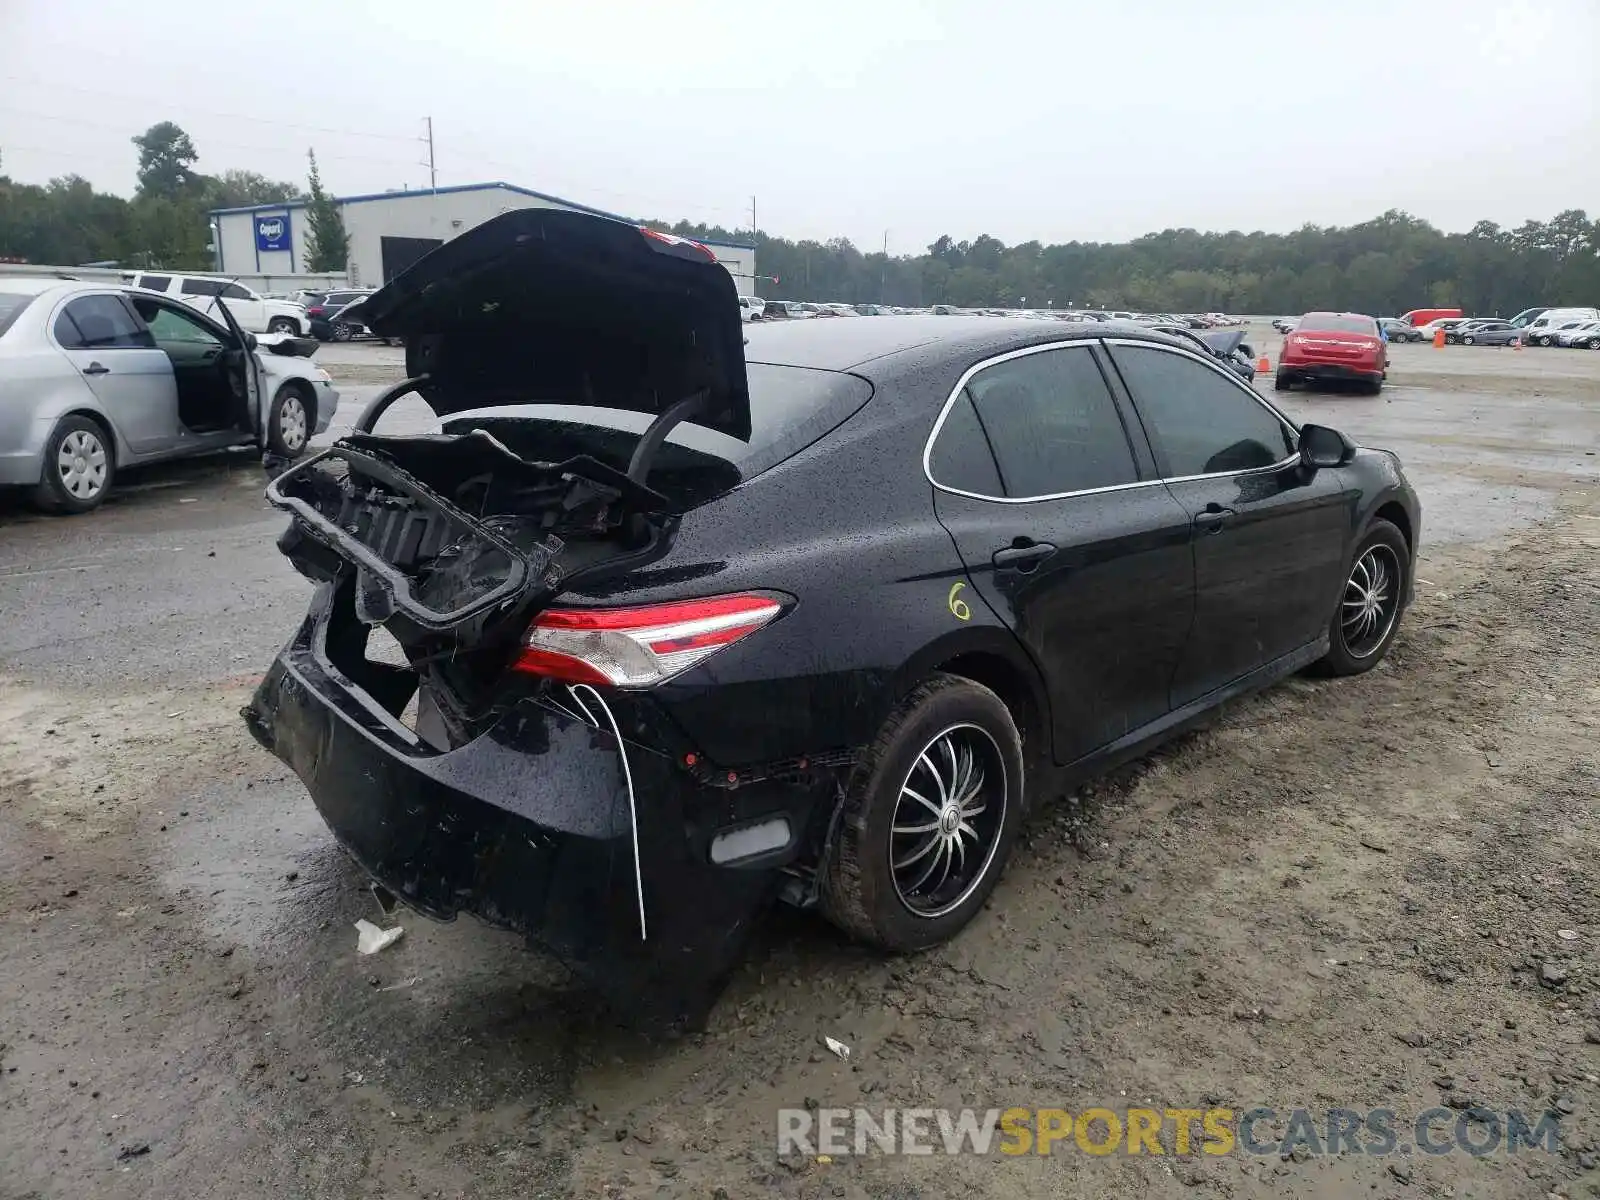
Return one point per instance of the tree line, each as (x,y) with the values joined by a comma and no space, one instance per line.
(1384,266)
(66,222)
(1387,265)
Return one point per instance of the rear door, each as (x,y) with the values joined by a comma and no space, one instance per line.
(1067,536)
(1270,539)
(117,357)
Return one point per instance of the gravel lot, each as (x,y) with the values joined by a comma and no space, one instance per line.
(1340,894)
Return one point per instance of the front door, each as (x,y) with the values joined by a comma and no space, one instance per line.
(1270,536)
(208,363)
(118,359)
(1067,537)
(245,382)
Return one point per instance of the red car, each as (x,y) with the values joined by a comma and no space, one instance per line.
(1329,346)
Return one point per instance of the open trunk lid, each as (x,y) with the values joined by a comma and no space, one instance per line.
(545,305)
(1223,342)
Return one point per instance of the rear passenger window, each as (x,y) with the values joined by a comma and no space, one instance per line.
(1199,422)
(1051,423)
(202,287)
(961,458)
(100,323)
(156,283)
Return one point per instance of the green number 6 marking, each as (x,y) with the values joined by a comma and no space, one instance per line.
(957,605)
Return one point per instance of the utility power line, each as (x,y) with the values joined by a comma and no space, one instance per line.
(146,99)
(208,141)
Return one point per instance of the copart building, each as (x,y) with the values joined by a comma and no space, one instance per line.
(391,230)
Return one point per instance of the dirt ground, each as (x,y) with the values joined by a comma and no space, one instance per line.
(1379,892)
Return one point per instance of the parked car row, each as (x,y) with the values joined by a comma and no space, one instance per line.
(1545,327)
(754,309)
(1575,327)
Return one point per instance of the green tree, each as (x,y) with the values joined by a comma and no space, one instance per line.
(166,162)
(327,243)
(242,189)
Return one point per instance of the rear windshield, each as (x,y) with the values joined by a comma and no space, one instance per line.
(1333,323)
(790,407)
(11,306)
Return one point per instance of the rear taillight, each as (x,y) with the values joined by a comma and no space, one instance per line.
(314,311)
(640,646)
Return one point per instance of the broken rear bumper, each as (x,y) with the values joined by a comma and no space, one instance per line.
(528,827)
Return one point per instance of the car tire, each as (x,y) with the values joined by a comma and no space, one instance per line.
(1468,340)
(922,763)
(342,333)
(1543,341)
(1282,383)
(290,421)
(79,466)
(1353,646)
(283,325)
(1375,387)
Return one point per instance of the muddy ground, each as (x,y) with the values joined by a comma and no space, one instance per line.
(1342,893)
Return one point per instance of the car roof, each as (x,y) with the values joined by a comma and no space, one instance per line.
(920,340)
(38,285)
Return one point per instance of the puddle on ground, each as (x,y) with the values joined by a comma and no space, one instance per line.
(259,863)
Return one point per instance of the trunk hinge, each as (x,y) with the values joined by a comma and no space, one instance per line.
(656,434)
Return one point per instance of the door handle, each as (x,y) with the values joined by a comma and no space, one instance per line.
(1213,517)
(95,368)
(1022,559)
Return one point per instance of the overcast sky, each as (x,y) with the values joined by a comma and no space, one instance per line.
(1019,118)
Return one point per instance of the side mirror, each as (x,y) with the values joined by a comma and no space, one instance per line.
(1324,447)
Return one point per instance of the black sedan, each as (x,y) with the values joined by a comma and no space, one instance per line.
(812,619)
(322,307)
(1400,331)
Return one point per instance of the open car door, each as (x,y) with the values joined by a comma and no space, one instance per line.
(244,378)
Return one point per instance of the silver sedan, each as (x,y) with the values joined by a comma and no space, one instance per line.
(96,377)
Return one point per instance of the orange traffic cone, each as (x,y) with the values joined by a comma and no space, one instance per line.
(1438,339)
(1263,367)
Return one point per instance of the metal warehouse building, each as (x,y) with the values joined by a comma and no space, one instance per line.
(391,230)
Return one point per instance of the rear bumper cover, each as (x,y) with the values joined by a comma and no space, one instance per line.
(528,827)
(1311,369)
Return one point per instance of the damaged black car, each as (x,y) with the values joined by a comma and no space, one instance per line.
(667,626)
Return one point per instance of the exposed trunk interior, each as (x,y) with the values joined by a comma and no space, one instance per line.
(451,544)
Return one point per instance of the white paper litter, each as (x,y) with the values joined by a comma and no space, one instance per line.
(1567,935)
(838,1048)
(370,939)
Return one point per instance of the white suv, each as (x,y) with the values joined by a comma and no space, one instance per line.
(751,308)
(255,313)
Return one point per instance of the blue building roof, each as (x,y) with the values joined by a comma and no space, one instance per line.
(442,191)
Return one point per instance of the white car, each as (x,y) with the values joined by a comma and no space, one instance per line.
(254,313)
(751,308)
(1568,330)
(95,377)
